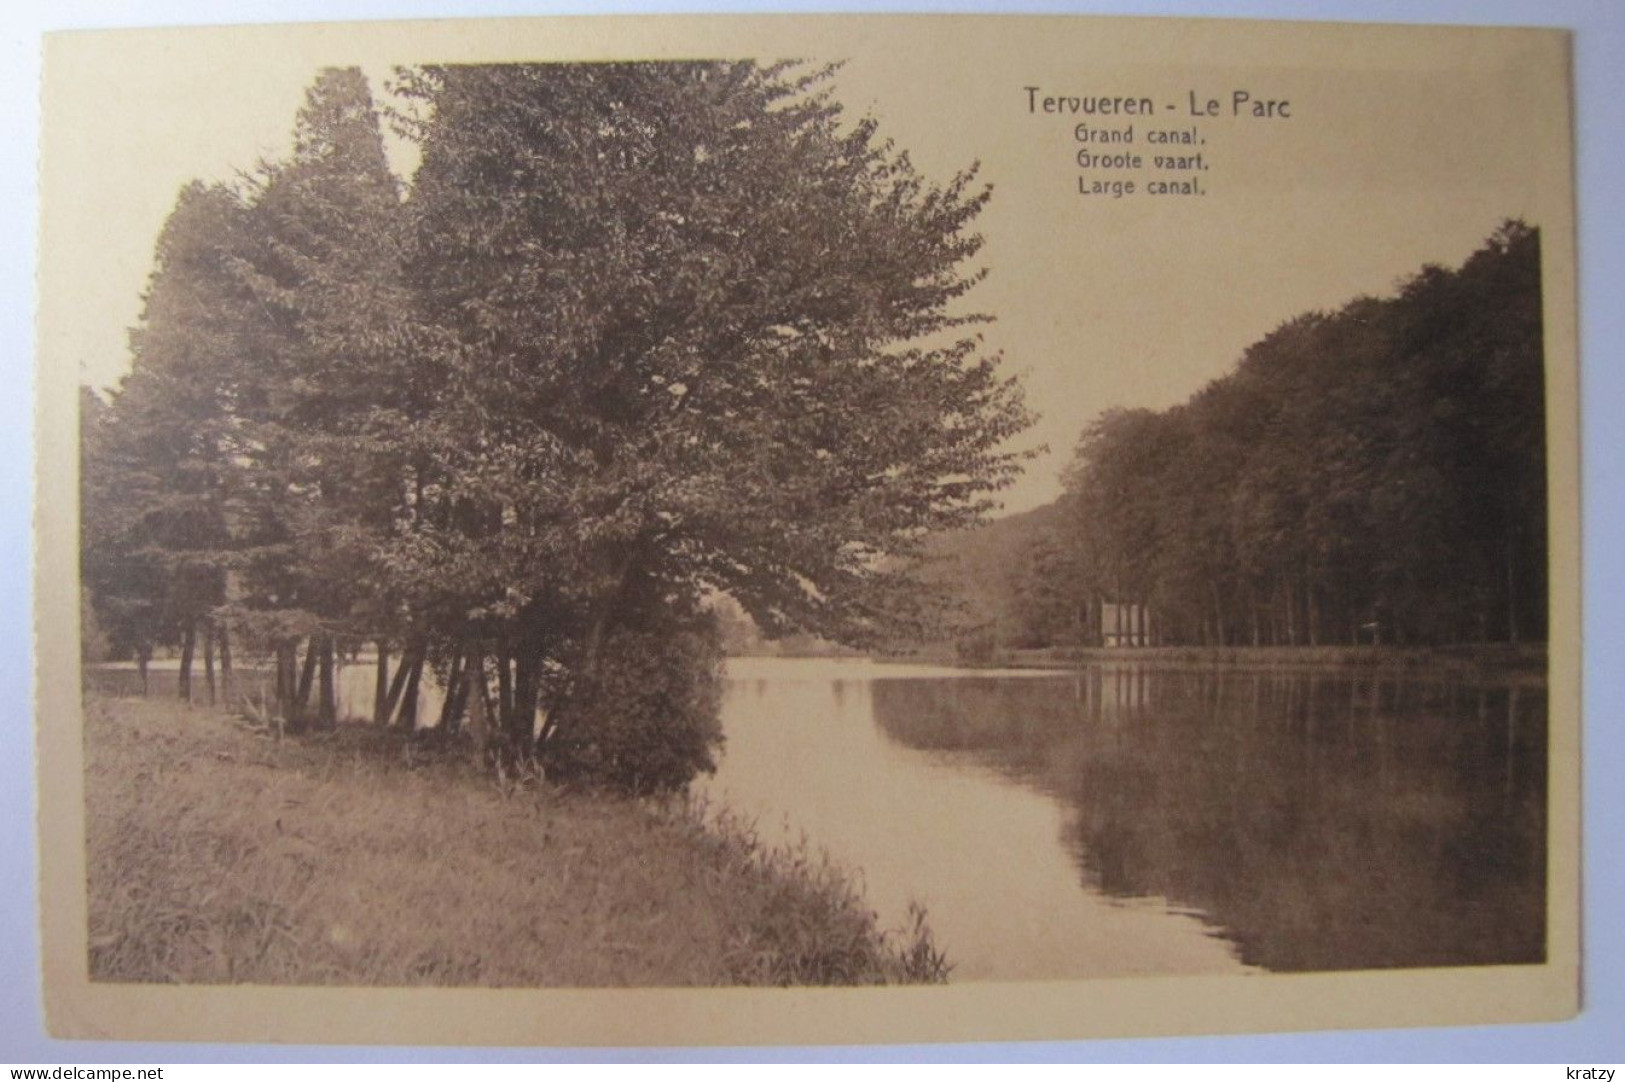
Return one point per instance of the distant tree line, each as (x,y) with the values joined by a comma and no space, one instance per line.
(1375,474)
(635,336)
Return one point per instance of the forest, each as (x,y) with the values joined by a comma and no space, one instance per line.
(634,337)
(1370,475)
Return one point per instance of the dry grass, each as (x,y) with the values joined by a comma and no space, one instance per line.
(221,854)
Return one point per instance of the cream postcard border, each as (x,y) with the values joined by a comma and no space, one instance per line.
(78,1007)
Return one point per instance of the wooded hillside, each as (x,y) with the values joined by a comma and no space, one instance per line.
(1373,474)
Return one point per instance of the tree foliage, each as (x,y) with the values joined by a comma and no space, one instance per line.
(156,464)
(686,306)
(1374,474)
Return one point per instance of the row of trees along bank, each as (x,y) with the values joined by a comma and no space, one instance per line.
(1373,474)
(634,335)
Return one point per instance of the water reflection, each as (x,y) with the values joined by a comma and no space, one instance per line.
(1319,821)
(980,850)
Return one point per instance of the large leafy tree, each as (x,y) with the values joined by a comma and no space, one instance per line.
(697,334)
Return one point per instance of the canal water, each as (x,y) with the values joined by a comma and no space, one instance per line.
(1129,819)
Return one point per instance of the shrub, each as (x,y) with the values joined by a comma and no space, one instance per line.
(978,647)
(649,721)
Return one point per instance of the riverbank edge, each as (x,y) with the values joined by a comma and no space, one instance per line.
(1529,659)
(220,853)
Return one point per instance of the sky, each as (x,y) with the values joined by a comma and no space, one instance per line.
(1385,162)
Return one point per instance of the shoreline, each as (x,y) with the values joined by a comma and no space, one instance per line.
(1494,659)
(219,853)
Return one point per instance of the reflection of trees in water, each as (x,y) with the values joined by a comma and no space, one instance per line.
(1322,821)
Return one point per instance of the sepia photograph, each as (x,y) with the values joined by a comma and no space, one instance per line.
(1052,527)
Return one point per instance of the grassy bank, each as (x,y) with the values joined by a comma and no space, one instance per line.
(218,853)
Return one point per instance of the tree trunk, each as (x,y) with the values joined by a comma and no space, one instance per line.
(284,679)
(465,689)
(521,726)
(451,707)
(225,662)
(575,707)
(587,666)
(398,685)
(307,676)
(409,697)
(380,687)
(187,642)
(592,649)
(526,707)
(208,659)
(505,703)
(327,708)
(479,713)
